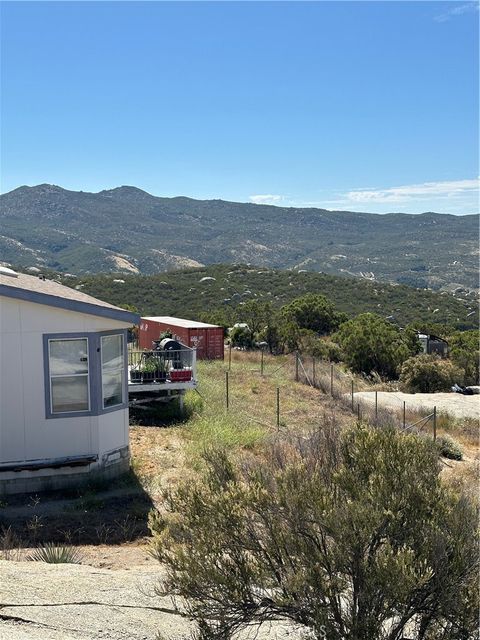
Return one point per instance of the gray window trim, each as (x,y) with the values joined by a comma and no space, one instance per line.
(94,370)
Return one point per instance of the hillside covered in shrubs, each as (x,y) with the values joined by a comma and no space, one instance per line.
(218,291)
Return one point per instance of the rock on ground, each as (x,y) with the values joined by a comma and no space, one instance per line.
(40,601)
(78,602)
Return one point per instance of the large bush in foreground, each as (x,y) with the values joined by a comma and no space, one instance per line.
(429,373)
(352,537)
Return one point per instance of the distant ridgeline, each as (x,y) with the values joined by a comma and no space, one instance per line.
(204,293)
(128,230)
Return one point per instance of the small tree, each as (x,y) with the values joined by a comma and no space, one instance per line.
(322,348)
(370,344)
(464,351)
(428,373)
(313,312)
(352,537)
(241,336)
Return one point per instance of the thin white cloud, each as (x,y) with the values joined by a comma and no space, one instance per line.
(267,198)
(405,193)
(459,10)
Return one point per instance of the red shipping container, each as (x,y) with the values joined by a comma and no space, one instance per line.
(206,338)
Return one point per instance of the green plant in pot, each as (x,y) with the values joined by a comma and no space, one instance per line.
(149,369)
(161,370)
(136,374)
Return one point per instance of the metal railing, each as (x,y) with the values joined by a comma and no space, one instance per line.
(149,366)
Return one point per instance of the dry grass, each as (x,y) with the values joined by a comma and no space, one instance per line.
(163,454)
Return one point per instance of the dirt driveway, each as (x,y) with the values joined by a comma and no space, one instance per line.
(454,404)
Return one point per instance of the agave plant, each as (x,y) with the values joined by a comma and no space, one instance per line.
(56,555)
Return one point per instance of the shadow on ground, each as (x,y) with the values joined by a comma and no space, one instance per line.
(100,512)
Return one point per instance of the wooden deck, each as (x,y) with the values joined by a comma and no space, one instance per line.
(138,387)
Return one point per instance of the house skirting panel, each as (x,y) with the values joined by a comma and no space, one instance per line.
(110,466)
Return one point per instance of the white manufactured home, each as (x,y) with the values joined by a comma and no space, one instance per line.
(63,385)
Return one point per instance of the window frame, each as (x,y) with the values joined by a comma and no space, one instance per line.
(124,402)
(95,383)
(70,375)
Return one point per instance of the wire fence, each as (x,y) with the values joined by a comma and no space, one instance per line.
(330,379)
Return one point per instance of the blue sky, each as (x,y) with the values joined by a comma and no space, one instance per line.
(367,106)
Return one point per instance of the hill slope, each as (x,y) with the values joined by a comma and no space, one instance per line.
(187,294)
(129,230)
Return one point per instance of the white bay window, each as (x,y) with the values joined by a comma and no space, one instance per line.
(85,374)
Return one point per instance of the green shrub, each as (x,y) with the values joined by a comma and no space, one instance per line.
(449,448)
(241,337)
(464,351)
(371,345)
(321,348)
(52,554)
(345,534)
(313,312)
(428,373)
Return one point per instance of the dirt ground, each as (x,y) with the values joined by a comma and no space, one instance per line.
(455,404)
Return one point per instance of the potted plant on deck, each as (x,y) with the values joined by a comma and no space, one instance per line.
(149,369)
(161,370)
(136,374)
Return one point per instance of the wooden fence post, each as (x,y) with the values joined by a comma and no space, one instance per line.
(230,357)
(434,423)
(404,414)
(226,389)
(296,366)
(352,394)
(376,405)
(331,379)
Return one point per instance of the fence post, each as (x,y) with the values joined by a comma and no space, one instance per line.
(278,407)
(331,379)
(296,366)
(352,394)
(261,365)
(404,414)
(226,389)
(376,405)
(434,423)
(313,370)
(230,357)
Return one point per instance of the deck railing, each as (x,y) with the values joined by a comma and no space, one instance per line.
(162,366)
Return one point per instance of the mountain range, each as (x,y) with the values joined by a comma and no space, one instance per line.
(131,231)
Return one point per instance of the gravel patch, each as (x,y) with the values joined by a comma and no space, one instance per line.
(455,404)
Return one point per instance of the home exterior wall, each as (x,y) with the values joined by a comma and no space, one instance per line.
(25,431)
